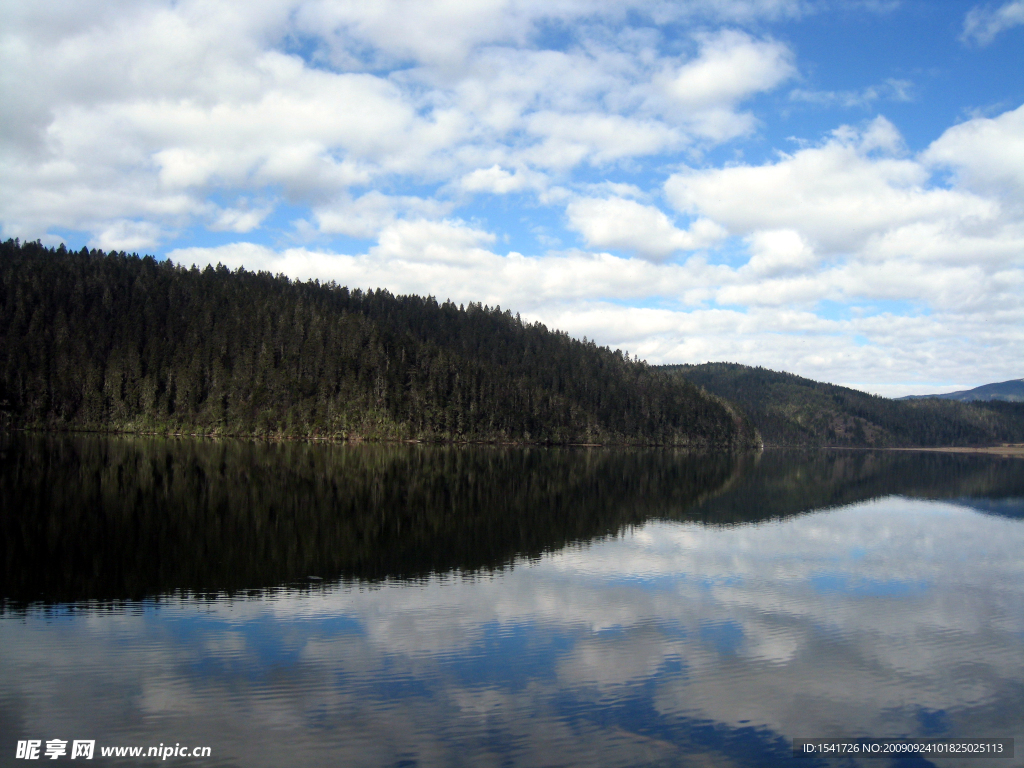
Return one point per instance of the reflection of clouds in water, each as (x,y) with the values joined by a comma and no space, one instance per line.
(925,612)
(887,617)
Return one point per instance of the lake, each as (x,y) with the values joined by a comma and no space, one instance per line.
(297,604)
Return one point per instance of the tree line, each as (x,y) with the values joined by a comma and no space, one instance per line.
(114,341)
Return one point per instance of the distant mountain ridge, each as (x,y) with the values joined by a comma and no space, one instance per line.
(789,410)
(1011,391)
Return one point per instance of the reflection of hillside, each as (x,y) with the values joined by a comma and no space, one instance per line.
(99,518)
(784,483)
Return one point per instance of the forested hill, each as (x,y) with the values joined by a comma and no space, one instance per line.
(1011,391)
(791,410)
(109,341)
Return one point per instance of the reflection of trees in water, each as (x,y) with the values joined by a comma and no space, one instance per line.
(100,517)
(107,518)
(784,483)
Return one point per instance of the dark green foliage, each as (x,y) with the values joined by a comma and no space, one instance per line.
(791,410)
(117,342)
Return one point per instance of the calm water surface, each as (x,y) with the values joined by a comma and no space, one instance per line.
(317,605)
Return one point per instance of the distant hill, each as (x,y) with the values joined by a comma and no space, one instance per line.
(110,341)
(1011,391)
(791,410)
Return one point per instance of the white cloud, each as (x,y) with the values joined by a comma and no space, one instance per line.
(127,235)
(643,229)
(855,221)
(497,181)
(174,102)
(987,155)
(566,140)
(779,251)
(891,90)
(451,260)
(983,23)
(368,215)
(838,195)
(242,219)
(433,243)
(443,33)
(731,66)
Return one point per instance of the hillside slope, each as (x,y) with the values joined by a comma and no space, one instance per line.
(1011,391)
(791,410)
(90,340)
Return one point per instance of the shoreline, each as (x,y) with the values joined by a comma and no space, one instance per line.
(1006,449)
(350,439)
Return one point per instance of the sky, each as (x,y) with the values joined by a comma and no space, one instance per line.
(830,188)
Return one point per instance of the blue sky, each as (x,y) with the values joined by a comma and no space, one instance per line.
(829,188)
